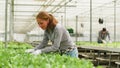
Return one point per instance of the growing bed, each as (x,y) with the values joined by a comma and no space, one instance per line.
(92,49)
(14,56)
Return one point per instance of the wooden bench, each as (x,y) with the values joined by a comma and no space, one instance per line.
(118,64)
(86,55)
(102,59)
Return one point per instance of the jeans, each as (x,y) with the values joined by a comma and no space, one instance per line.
(73,53)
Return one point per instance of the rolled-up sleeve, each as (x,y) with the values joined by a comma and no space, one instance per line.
(57,40)
(99,35)
(108,35)
(44,42)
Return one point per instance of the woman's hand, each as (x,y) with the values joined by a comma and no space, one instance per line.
(104,41)
(29,50)
(37,52)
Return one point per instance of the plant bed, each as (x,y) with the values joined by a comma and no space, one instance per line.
(14,56)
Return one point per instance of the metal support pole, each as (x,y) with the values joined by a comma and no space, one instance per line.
(12,20)
(6,18)
(11,26)
(90,20)
(114,20)
(76,35)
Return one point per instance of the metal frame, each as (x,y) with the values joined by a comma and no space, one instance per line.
(11,25)
(114,20)
(6,23)
(90,20)
(76,35)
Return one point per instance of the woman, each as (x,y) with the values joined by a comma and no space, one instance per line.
(57,34)
(103,35)
(102,38)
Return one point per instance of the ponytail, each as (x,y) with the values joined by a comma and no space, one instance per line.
(52,23)
(50,18)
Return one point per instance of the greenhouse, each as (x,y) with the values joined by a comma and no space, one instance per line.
(28,39)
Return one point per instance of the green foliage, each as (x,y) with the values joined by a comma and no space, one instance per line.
(15,57)
(111,45)
(1,44)
(70,30)
(99,67)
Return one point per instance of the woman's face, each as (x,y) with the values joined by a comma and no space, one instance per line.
(42,23)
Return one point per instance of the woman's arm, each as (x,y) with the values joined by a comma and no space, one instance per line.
(108,35)
(43,43)
(57,39)
(99,35)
